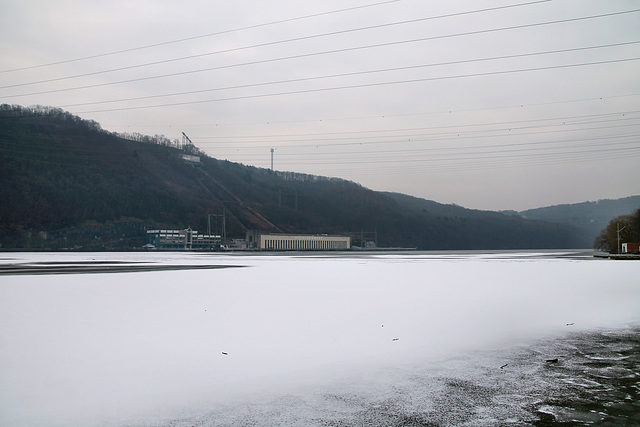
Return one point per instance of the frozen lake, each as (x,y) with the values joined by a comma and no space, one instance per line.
(350,339)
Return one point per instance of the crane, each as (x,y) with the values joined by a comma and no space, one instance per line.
(186,140)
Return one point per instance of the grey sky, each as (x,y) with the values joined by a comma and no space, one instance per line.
(489,104)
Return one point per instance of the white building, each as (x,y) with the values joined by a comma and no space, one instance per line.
(297,242)
(191,159)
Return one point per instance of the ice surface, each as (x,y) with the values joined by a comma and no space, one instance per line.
(141,348)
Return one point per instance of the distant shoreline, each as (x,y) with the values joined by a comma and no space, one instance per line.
(617,256)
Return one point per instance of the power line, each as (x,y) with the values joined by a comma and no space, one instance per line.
(364,85)
(433,153)
(417,140)
(275,43)
(200,36)
(468,160)
(486,155)
(471,166)
(449,165)
(472,161)
(307,55)
(449,111)
(430,153)
(357,73)
(456,128)
(415,147)
(381,169)
(413,139)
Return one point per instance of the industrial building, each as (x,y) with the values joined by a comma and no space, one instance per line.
(182,240)
(297,242)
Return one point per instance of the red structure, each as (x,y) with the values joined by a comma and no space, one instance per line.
(630,248)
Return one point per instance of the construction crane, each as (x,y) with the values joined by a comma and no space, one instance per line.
(186,141)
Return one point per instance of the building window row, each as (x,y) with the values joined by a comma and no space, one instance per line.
(304,244)
(182,239)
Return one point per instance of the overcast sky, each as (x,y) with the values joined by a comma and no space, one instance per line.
(489,104)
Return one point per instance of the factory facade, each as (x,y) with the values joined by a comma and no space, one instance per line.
(185,240)
(182,240)
(297,242)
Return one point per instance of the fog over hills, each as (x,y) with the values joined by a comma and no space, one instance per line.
(66,183)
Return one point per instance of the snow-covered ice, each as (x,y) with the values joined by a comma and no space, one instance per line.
(154,347)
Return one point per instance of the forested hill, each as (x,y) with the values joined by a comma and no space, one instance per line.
(66,183)
(589,217)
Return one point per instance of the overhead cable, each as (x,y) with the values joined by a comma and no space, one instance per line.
(355,86)
(356,73)
(468,33)
(249,27)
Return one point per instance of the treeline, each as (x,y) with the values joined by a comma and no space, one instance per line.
(66,183)
(47,114)
(588,217)
(155,139)
(59,115)
(622,229)
(186,147)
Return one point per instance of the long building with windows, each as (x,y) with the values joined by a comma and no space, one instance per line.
(183,240)
(297,242)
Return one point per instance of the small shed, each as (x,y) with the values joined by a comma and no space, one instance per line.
(630,248)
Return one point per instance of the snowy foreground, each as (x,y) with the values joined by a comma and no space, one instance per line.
(307,339)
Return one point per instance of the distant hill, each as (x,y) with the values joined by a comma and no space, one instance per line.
(589,217)
(66,183)
(476,229)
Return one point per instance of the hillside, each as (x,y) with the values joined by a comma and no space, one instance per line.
(476,229)
(66,183)
(589,217)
